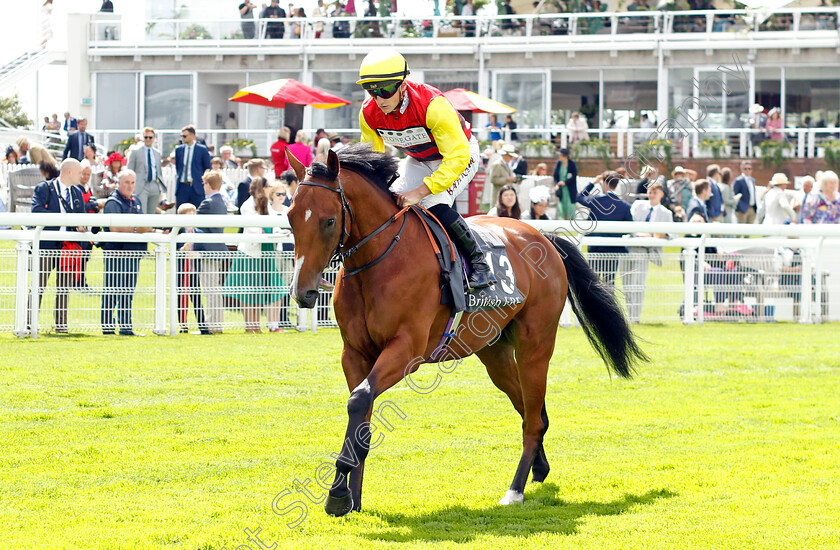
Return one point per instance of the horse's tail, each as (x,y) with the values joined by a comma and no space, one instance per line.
(600,316)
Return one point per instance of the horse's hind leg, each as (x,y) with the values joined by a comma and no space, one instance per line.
(541,468)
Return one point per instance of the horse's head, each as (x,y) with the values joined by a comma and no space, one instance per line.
(319,223)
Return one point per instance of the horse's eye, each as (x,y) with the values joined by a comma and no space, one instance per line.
(330,222)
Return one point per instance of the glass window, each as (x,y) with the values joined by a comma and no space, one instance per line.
(812,96)
(116,100)
(168,101)
(768,87)
(576,90)
(449,80)
(526,93)
(343,84)
(628,93)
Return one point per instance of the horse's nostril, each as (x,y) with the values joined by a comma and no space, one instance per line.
(309,299)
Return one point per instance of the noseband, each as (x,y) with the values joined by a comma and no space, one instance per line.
(346,212)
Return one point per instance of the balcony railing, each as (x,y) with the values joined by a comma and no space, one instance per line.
(638,25)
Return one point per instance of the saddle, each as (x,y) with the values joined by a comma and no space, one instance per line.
(454,269)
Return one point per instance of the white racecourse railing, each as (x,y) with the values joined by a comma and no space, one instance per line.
(782,273)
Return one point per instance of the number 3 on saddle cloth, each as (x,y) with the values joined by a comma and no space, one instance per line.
(454,273)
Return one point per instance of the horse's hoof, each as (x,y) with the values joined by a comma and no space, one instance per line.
(512,497)
(339,506)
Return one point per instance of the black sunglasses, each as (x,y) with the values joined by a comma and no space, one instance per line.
(386,91)
(148,137)
(184,136)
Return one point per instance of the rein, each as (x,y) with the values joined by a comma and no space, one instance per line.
(345,233)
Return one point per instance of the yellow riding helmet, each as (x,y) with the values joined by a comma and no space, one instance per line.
(382,65)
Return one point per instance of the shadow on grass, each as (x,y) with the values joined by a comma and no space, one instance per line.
(542,512)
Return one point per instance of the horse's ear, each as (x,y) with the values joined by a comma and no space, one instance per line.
(332,162)
(297,166)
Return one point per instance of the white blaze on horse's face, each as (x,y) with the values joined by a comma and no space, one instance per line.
(307,215)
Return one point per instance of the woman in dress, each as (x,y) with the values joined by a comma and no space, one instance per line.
(773,128)
(822,206)
(565,184)
(300,148)
(254,279)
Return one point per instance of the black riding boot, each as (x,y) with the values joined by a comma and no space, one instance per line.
(480,274)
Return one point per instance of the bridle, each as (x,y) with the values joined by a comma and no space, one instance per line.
(347,212)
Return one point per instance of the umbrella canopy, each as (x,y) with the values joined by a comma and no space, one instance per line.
(465,100)
(277,93)
(765,4)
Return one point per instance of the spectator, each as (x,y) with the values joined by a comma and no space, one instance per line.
(54,127)
(107,6)
(744,189)
(300,148)
(319,134)
(321,13)
(773,127)
(539,204)
(775,208)
(565,184)
(509,128)
(228,190)
(823,206)
(111,176)
(76,143)
(122,260)
(191,161)
(274,29)
(213,255)
(507,204)
(519,166)
(91,205)
(56,195)
(227,159)
(468,10)
(606,207)
(494,129)
(12,156)
(336,143)
(290,179)
(254,279)
(322,150)
(500,173)
(714,205)
(697,204)
(95,161)
(278,152)
(48,170)
(189,290)
(757,122)
(71,125)
(730,200)
(577,128)
(508,25)
(246,12)
(34,153)
(256,169)
(802,195)
(145,162)
(541,169)
(299,25)
(650,210)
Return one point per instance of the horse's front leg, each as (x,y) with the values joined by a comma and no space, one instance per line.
(387,371)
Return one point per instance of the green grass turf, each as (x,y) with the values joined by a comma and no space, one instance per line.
(729,439)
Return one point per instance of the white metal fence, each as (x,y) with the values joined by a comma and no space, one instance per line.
(168,290)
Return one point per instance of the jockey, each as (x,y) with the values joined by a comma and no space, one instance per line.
(443,154)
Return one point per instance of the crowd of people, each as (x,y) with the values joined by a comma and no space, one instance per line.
(209,278)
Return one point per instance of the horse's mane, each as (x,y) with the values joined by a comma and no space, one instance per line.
(378,168)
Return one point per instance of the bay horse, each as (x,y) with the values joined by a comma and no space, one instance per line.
(387,305)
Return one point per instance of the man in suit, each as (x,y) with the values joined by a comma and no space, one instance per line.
(60,196)
(212,273)
(714,204)
(606,207)
(744,185)
(651,210)
(75,147)
(144,160)
(71,125)
(192,159)
(256,169)
(697,204)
